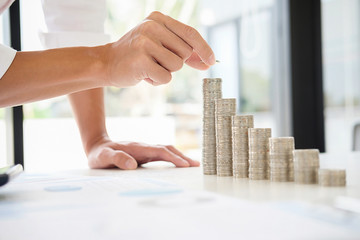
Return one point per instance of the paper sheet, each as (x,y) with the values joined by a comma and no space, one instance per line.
(81,207)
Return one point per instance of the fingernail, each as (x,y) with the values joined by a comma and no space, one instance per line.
(212,59)
(130,164)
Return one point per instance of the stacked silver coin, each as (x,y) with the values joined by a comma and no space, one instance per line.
(211,91)
(259,153)
(332,177)
(306,165)
(240,144)
(281,159)
(224,110)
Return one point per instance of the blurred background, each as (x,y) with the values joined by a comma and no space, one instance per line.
(250,38)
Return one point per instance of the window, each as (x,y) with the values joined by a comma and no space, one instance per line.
(4,127)
(248,38)
(161,115)
(51,139)
(2,115)
(2,138)
(341,61)
(172,110)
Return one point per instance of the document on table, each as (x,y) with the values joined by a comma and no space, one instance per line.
(112,207)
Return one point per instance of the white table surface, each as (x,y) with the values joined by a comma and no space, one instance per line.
(243,188)
(31,196)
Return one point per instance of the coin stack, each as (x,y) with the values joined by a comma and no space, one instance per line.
(291,168)
(259,153)
(281,159)
(332,177)
(306,165)
(240,146)
(224,109)
(211,91)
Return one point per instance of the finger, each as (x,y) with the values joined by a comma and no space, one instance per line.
(170,40)
(188,34)
(195,61)
(167,59)
(148,80)
(101,159)
(164,154)
(193,163)
(154,73)
(123,160)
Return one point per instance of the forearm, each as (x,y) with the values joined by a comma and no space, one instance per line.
(88,108)
(40,75)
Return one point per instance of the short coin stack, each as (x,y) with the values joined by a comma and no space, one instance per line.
(332,177)
(306,165)
(240,144)
(211,91)
(259,153)
(281,159)
(224,110)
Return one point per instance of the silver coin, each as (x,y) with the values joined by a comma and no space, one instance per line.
(332,177)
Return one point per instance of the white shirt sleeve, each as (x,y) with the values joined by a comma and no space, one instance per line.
(7,56)
(74,23)
(5,4)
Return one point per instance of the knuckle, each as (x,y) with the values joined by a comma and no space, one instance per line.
(103,154)
(143,42)
(187,53)
(162,148)
(155,15)
(144,28)
(147,26)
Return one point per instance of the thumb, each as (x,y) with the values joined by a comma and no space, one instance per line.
(123,160)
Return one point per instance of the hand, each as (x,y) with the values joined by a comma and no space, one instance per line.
(128,155)
(153,50)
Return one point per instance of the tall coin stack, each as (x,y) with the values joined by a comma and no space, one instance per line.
(281,159)
(211,91)
(240,144)
(332,177)
(224,110)
(306,165)
(259,153)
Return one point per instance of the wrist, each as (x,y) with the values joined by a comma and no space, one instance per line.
(102,54)
(98,66)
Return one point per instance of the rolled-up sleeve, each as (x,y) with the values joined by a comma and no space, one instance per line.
(7,56)
(74,23)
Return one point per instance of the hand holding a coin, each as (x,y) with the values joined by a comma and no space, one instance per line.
(153,50)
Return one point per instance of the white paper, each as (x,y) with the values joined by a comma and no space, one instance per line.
(114,207)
